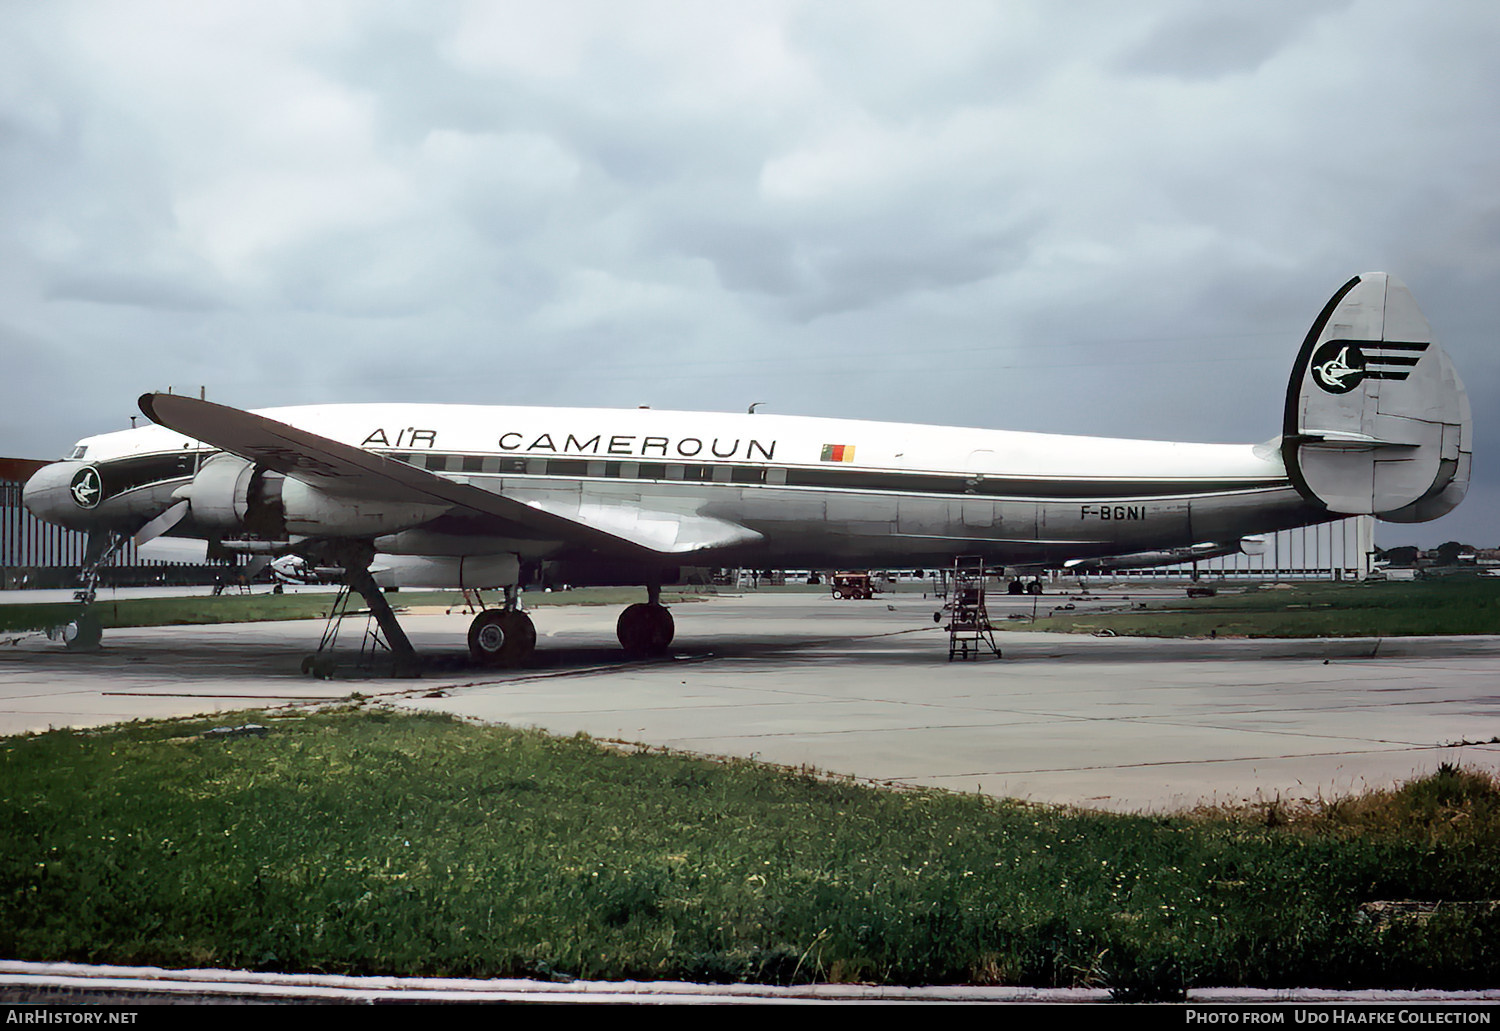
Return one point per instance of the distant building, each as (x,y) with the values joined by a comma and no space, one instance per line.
(1342,550)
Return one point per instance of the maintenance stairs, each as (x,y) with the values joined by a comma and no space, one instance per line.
(969,631)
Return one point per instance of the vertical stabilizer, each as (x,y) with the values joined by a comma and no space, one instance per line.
(1377,421)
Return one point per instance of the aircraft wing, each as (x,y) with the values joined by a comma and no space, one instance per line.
(345,471)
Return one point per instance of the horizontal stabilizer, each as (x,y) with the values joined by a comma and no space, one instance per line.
(1377,420)
(1166,556)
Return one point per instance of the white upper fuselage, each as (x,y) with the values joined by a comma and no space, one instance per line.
(651,435)
(726,488)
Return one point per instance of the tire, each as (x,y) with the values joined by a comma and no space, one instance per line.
(84,634)
(1033,588)
(645,630)
(500,638)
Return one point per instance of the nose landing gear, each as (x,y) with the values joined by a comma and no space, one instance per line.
(85,631)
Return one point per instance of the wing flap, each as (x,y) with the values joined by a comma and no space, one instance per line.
(666,533)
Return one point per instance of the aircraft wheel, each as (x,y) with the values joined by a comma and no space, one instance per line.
(645,630)
(1015,587)
(500,638)
(84,634)
(1034,588)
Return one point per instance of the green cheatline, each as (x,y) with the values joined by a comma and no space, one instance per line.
(372,842)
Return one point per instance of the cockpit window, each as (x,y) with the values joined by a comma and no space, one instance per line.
(79,452)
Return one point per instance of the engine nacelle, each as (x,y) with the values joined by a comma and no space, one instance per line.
(234,495)
(219,494)
(443,572)
(314,513)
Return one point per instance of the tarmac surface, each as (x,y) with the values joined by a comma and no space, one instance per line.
(862,688)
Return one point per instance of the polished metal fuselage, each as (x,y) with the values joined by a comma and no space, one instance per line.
(917,495)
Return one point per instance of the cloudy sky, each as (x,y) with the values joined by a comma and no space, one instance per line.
(1077,217)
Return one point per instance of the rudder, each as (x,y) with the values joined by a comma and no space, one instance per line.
(1377,420)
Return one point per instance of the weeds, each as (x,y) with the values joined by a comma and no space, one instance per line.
(366,841)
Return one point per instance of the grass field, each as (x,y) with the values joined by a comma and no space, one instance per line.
(1436,607)
(365,841)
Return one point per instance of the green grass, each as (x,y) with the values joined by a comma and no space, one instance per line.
(374,842)
(263,605)
(1451,606)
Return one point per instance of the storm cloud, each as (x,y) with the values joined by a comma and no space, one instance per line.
(1084,218)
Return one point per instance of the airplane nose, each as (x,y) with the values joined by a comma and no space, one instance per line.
(65,493)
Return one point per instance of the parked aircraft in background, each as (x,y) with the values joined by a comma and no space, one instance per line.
(1376,421)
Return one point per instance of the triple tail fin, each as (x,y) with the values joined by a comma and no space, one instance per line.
(1377,421)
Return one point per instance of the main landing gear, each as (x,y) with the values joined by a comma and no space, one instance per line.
(505,637)
(502,637)
(645,629)
(356,562)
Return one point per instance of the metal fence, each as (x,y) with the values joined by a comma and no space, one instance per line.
(33,552)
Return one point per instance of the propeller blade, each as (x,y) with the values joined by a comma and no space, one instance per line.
(161,524)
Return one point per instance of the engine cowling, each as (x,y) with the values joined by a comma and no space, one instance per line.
(219,493)
(445,572)
(230,494)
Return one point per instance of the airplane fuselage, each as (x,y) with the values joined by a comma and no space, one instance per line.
(810,492)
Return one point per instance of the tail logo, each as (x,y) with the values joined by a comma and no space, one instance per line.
(1341,365)
(1338,367)
(86,488)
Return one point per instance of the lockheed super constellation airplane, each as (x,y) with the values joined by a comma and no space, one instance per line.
(1376,421)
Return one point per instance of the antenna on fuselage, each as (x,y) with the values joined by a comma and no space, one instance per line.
(752,408)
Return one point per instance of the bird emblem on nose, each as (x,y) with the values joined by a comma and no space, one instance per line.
(86,488)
